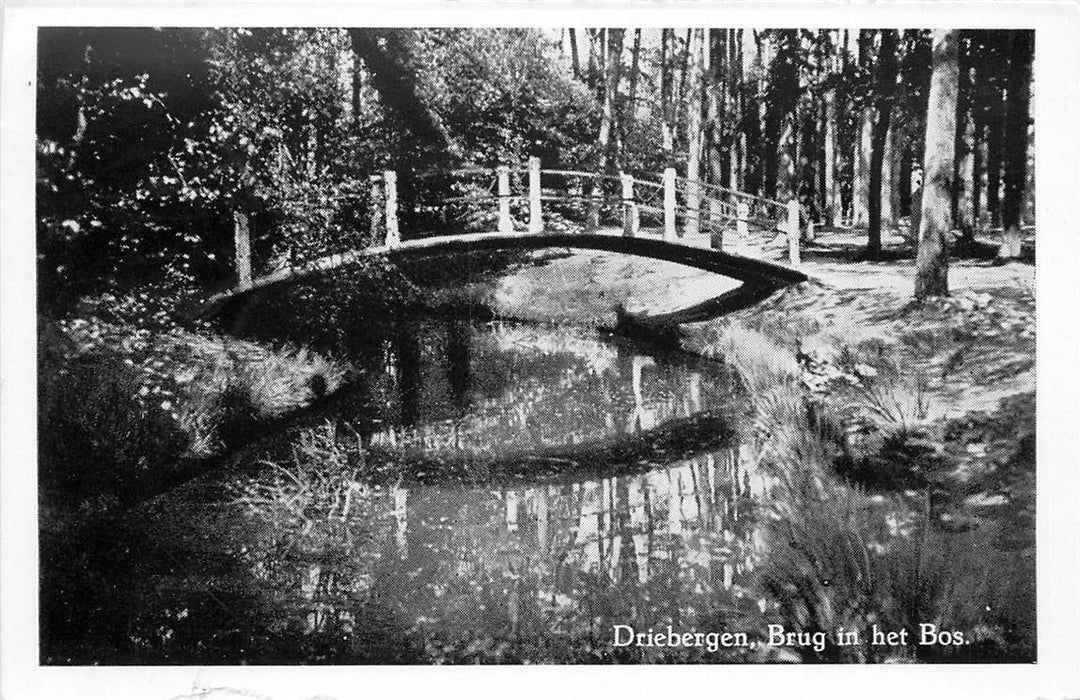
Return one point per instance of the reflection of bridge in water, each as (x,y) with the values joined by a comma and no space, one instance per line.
(725,231)
(492,388)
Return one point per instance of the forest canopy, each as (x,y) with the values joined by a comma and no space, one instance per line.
(150,139)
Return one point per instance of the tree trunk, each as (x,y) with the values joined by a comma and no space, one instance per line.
(684,68)
(890,179)
(386,55)
(978,173)
(965,174)
(635,70)
(961,193)
(787,185)
(667,98)
(994,146)
(832,183)
(694,86)
(1017,117)
(612,53)
(575,61)
(716,94)
(932,258)
(753,107)
(886,87)
(590,75)
(612,39)
(611,90)
(860,181)
(736,160)
(781,98)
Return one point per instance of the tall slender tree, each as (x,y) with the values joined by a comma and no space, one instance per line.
(695,85)
(863,147)
(780,99)
(885,89)
(667,95)
(932,257)
(1017,120)
(575,61)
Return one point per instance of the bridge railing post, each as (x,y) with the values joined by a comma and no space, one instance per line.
(742,227)
(631,214)
(503,175)
(536,213)
(242,247)
(793,231)
(375,210)
(592,219)
(390,207)
(669,204)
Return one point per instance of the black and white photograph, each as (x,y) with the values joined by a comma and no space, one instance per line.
(537,345)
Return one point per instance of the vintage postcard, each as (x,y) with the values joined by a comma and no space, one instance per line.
(363,338)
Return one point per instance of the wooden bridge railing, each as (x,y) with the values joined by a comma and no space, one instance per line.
(673,199)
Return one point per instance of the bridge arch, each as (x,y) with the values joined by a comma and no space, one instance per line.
(759,277)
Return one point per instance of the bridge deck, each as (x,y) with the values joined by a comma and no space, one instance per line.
(756,274)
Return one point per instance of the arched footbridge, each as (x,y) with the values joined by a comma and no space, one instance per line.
(735,234)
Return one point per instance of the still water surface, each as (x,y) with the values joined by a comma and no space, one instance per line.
(514,569)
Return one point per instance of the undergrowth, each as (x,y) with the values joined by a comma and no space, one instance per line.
(856,533)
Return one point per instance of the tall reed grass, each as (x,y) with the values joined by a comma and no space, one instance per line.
(838,556)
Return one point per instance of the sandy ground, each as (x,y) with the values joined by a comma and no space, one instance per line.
(585,287)
(971,349)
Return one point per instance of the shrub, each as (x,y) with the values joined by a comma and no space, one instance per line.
(97,435)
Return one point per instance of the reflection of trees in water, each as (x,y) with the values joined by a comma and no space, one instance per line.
(482,389)
(500,567)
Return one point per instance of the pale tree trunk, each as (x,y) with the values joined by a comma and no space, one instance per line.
(612,39)
(612,53)
(890,181)
(965,179)
(932,258)
(860,186)
(888,187)
(667,98)
(978,172)
(786,180)
(962,147)
(694,87)
(1018,89)
(832,183)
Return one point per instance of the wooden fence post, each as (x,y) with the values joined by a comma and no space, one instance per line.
(669,204)
(793,231)
(631,215)
(242,241)
(536,213)
(503,174)
(592,221)
(390,204)
(742,228)
(376,210)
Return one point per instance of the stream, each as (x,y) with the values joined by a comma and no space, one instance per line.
(518,567)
